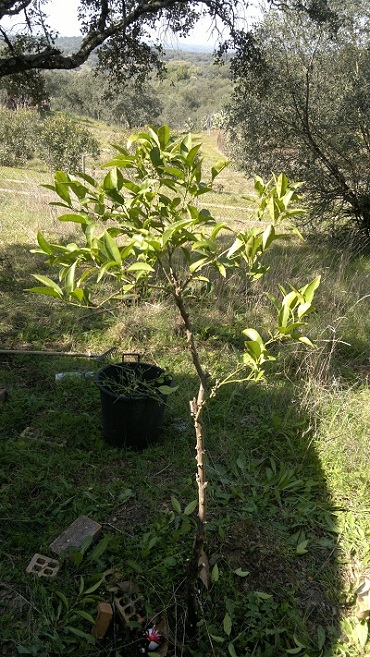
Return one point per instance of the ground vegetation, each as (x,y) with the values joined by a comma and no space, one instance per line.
(287,458)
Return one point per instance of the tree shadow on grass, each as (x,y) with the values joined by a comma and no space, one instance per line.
(278,523)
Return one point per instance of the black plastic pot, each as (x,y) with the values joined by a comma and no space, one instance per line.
(132,417)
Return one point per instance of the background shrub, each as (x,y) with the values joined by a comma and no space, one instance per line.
(63,143)
(19,134)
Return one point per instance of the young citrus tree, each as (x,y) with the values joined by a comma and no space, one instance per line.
(143,227)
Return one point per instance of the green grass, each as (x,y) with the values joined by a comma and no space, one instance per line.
(288,501)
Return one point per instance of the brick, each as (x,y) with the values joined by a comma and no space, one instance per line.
(105,615)
(74,536)
(43,566)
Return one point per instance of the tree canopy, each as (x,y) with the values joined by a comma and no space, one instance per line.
(305,110)
(123,30)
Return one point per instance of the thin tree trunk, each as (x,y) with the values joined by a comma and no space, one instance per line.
(196,409)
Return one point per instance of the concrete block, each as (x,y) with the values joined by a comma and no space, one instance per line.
(129,610)
(43,566)
(103,620)
(74,536)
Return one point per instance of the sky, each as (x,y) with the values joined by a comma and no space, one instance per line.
(63,18)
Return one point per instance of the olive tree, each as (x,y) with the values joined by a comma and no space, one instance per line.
(305,109)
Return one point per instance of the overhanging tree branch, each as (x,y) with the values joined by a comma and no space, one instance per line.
(106,21)
(110,19)
(11,8)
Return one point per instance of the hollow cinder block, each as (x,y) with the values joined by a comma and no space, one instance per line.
(129,609)
(74,536)
(43,566)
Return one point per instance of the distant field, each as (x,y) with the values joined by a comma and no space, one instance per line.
(24,202)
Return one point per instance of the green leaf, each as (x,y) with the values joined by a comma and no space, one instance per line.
(50,284)
(202,279)
(99,549)
(268,236)
(231,650)
(62,598)
(217,229)
(153,135)
(44,244)
(303,308)
(33,650)
(135,565)
(122,161)
(198,264)
(75,218)
(193,153)
(82,581)
(301,547)
(70,278)
(175,228)
(190,508)
(164,134)
(104,268)
(299,643)
(306,341)
(241,462)
(215,573)
(176,505)
(241,573)
(282,185)
(236,246)
(221,268)
(175,171)
(259,185)
(263,596)
(62,191)
(113,180)
(82,635)
(321,637)
(218,639)
(79,294)
(155,156)
(227,624)
(294,651)
(44,290)
(218,167)
(94,587)
(140,266)
(253,335)
(112,248)
(167,390)
(310,289)
(85,616)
